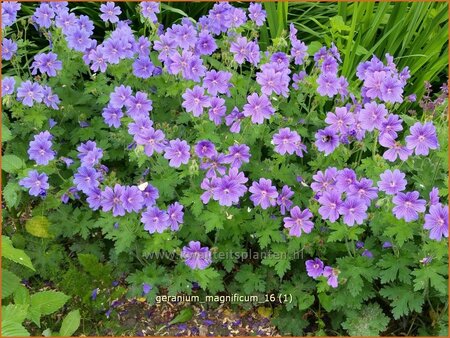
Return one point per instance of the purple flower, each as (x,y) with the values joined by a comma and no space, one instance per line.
(387,245)
(217,110)
(37,183)
(213,164)
(205,148)
(8,84)
(205,45)
(195,256)
(392,182)
(237,155)
(149,10)
(89,154)
(325,181)
(299,51)
(94,198)
(50,100)
(345,179)
(138,105)
(422,138)
(227,189)
(327,84)
(372,116)
(299,222)
(353,210)
(408,205)
(110,12)
(177,152)
(367,253)
(146,288)
(258,107)
(120,96)
(152,140)
(9,48)
(132,199)
(9,12)
(314,268)
(240,49)
(155,220)
(391,90)
(434,196)
(79,40)
(256,13)
(46,64)
(332,276)
(340,120)
(40,149)
(209,185)
(143,67)
(112,116)
(364,190)
(326,140)
(234,120)
(437,222)
(283,200)
(150,195)
(330,202)
(112,199)
(29,92)
(86,178)
(43,15)
(286,141)
(195,100)
(396,149)
(263,193)
(175,213)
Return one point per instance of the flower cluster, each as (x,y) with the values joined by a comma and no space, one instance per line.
(181,52)
(315,268)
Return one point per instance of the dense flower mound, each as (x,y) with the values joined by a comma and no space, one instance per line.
(196,125)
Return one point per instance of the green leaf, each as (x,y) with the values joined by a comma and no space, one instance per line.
(393,267)
(70,323)
(213,219)
(38,226)
(15,312)
(6,134)
(12,163)
(280,263)
(15,255)
(48,302)
(250,281)
(338,24)
(12,329)
(209,279)
(404,299)
(369,321)
(11,194)
(22,295)
(10,283)
(436,276)
(399,230)
(185,315)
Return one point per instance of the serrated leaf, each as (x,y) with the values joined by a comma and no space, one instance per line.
(70,323)
(12,163)
(11,194)
(15,255)
(12,329)
(404,300)
(393,267)
(6,134)
(48,302)
(15,312)
(369,321)
(10,283)
(250,281)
